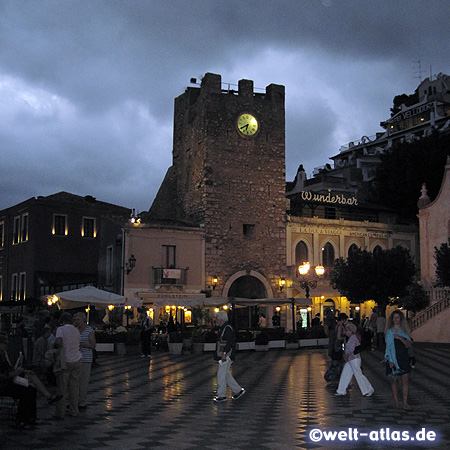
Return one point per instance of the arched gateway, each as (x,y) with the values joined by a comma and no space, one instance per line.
(247,284)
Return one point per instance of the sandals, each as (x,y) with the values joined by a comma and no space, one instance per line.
(54,398)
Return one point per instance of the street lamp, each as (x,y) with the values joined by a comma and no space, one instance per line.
(131,264)
(306,283)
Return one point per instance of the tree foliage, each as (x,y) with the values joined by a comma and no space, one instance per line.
(403,170)
(380,277)
(442,256)
(407,100)
(415,298)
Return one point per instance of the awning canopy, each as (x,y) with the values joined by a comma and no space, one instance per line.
(92,296)
(237,301)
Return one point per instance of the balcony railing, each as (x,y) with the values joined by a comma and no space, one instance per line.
(164,275)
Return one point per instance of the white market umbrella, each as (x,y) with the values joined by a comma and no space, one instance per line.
(91,296)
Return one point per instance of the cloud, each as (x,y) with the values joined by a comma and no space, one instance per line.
(88,86)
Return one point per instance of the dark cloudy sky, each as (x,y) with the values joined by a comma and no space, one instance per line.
(87,86)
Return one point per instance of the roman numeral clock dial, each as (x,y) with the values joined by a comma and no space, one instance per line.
(247,125)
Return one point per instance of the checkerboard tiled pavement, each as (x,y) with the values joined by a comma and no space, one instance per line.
(166,403)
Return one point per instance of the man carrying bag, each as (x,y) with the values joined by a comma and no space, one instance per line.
(225,354)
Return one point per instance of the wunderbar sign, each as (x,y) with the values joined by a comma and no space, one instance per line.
(309,196)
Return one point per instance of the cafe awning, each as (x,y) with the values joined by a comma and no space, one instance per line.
(237,301)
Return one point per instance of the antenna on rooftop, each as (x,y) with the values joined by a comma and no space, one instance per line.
(418,72)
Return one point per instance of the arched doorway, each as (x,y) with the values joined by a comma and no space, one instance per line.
(329,305)
(247,286)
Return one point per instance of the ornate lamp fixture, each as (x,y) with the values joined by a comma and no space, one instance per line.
(131,264)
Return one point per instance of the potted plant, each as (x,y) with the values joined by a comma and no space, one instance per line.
(132,341)
(305,339)
(119,343)
(187,338)
(245,340)
(210,338)
(276,337)
(319,333)
(175,343)
(262,341)
(198,340)
(105,342)
(291,341)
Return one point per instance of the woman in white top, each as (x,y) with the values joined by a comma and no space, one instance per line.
(352,365)
(68,341)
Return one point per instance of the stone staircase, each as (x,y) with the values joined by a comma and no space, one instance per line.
(440,299)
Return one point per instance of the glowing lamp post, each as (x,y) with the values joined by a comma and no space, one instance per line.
(306,283)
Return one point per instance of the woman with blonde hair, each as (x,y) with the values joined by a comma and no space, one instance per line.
(398,340)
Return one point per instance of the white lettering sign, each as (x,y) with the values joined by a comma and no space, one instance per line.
(309,196)
(411,112)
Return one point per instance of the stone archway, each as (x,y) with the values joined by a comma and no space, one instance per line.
(235,287)
(252,285)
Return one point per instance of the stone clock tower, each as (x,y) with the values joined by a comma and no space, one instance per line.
(228,176)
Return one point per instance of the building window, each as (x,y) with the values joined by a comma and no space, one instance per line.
(14,286)
(248,229)
(301,254)
(169,256)
(377,250)
(109,264)
(16,230)
(2,234)
(22,286)
(88,229)
(353,249)
(60,225)
(330,213)
(328,255)
(24,228)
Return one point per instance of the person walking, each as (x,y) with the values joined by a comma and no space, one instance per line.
(68,341)
(352,366)
(87,345)
(381,328)
(146,334)
(225,354)
(398,341)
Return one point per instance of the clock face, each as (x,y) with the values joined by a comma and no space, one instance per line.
(247,124)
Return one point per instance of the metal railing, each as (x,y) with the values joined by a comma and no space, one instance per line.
(440,299)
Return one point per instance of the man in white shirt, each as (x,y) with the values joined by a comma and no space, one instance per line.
(68,341)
